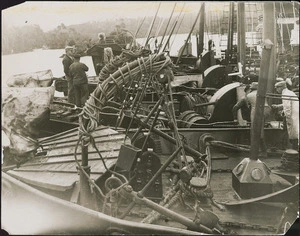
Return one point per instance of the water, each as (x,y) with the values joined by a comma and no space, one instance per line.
(177,41)
(37,60)
(220,42)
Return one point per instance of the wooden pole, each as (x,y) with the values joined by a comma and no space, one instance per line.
(266,79)
(269,32)
(87,199)
(241,34)
(201,30)
(230,32)
(151,26)
(162,38)
(188,38)
(265,66)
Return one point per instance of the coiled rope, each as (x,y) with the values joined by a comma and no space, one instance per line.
(89,118)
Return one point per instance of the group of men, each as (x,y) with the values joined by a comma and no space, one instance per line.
(289,109)
(75,74)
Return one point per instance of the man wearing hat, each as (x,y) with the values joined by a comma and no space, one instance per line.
(80,81)
(67,61)
(251,97)
(290,107)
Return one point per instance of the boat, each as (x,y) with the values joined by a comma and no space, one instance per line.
(164,194)
(131,168)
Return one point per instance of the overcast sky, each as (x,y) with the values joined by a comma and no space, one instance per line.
(49,14)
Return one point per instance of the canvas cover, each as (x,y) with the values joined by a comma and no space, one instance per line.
(24,110)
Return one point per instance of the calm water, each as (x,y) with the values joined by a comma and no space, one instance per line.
(37,60)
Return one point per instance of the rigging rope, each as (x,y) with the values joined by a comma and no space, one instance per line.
(177,30)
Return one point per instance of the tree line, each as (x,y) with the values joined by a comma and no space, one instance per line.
(30,37)
(27,38)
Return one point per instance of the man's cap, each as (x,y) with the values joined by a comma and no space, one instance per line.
(69,47)
(254,86)
(280,84)
(279,79)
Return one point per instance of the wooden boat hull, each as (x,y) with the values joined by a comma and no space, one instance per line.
(25,207)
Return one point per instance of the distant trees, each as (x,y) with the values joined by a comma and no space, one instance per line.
(22,39)
(27,38)
(62,36)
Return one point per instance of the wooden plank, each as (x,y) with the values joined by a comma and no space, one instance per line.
(60,177)
(94,155)
(106,146)
(67,135)
(74,137)
(45,139)
(74,140)
(97,167)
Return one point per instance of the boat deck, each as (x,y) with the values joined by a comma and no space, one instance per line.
(55,167)
(54,171)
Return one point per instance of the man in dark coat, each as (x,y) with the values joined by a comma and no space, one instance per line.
(80,81)
(67,61)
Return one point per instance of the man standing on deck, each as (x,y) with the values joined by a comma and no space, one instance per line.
(67,61)
(80,81)
(290,107)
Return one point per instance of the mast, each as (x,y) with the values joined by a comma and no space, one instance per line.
(241,34)
(188,38)
(251,177)
(151,26)
(269,32)
(201,30)
(230,32)
(162,39)
(267,68)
